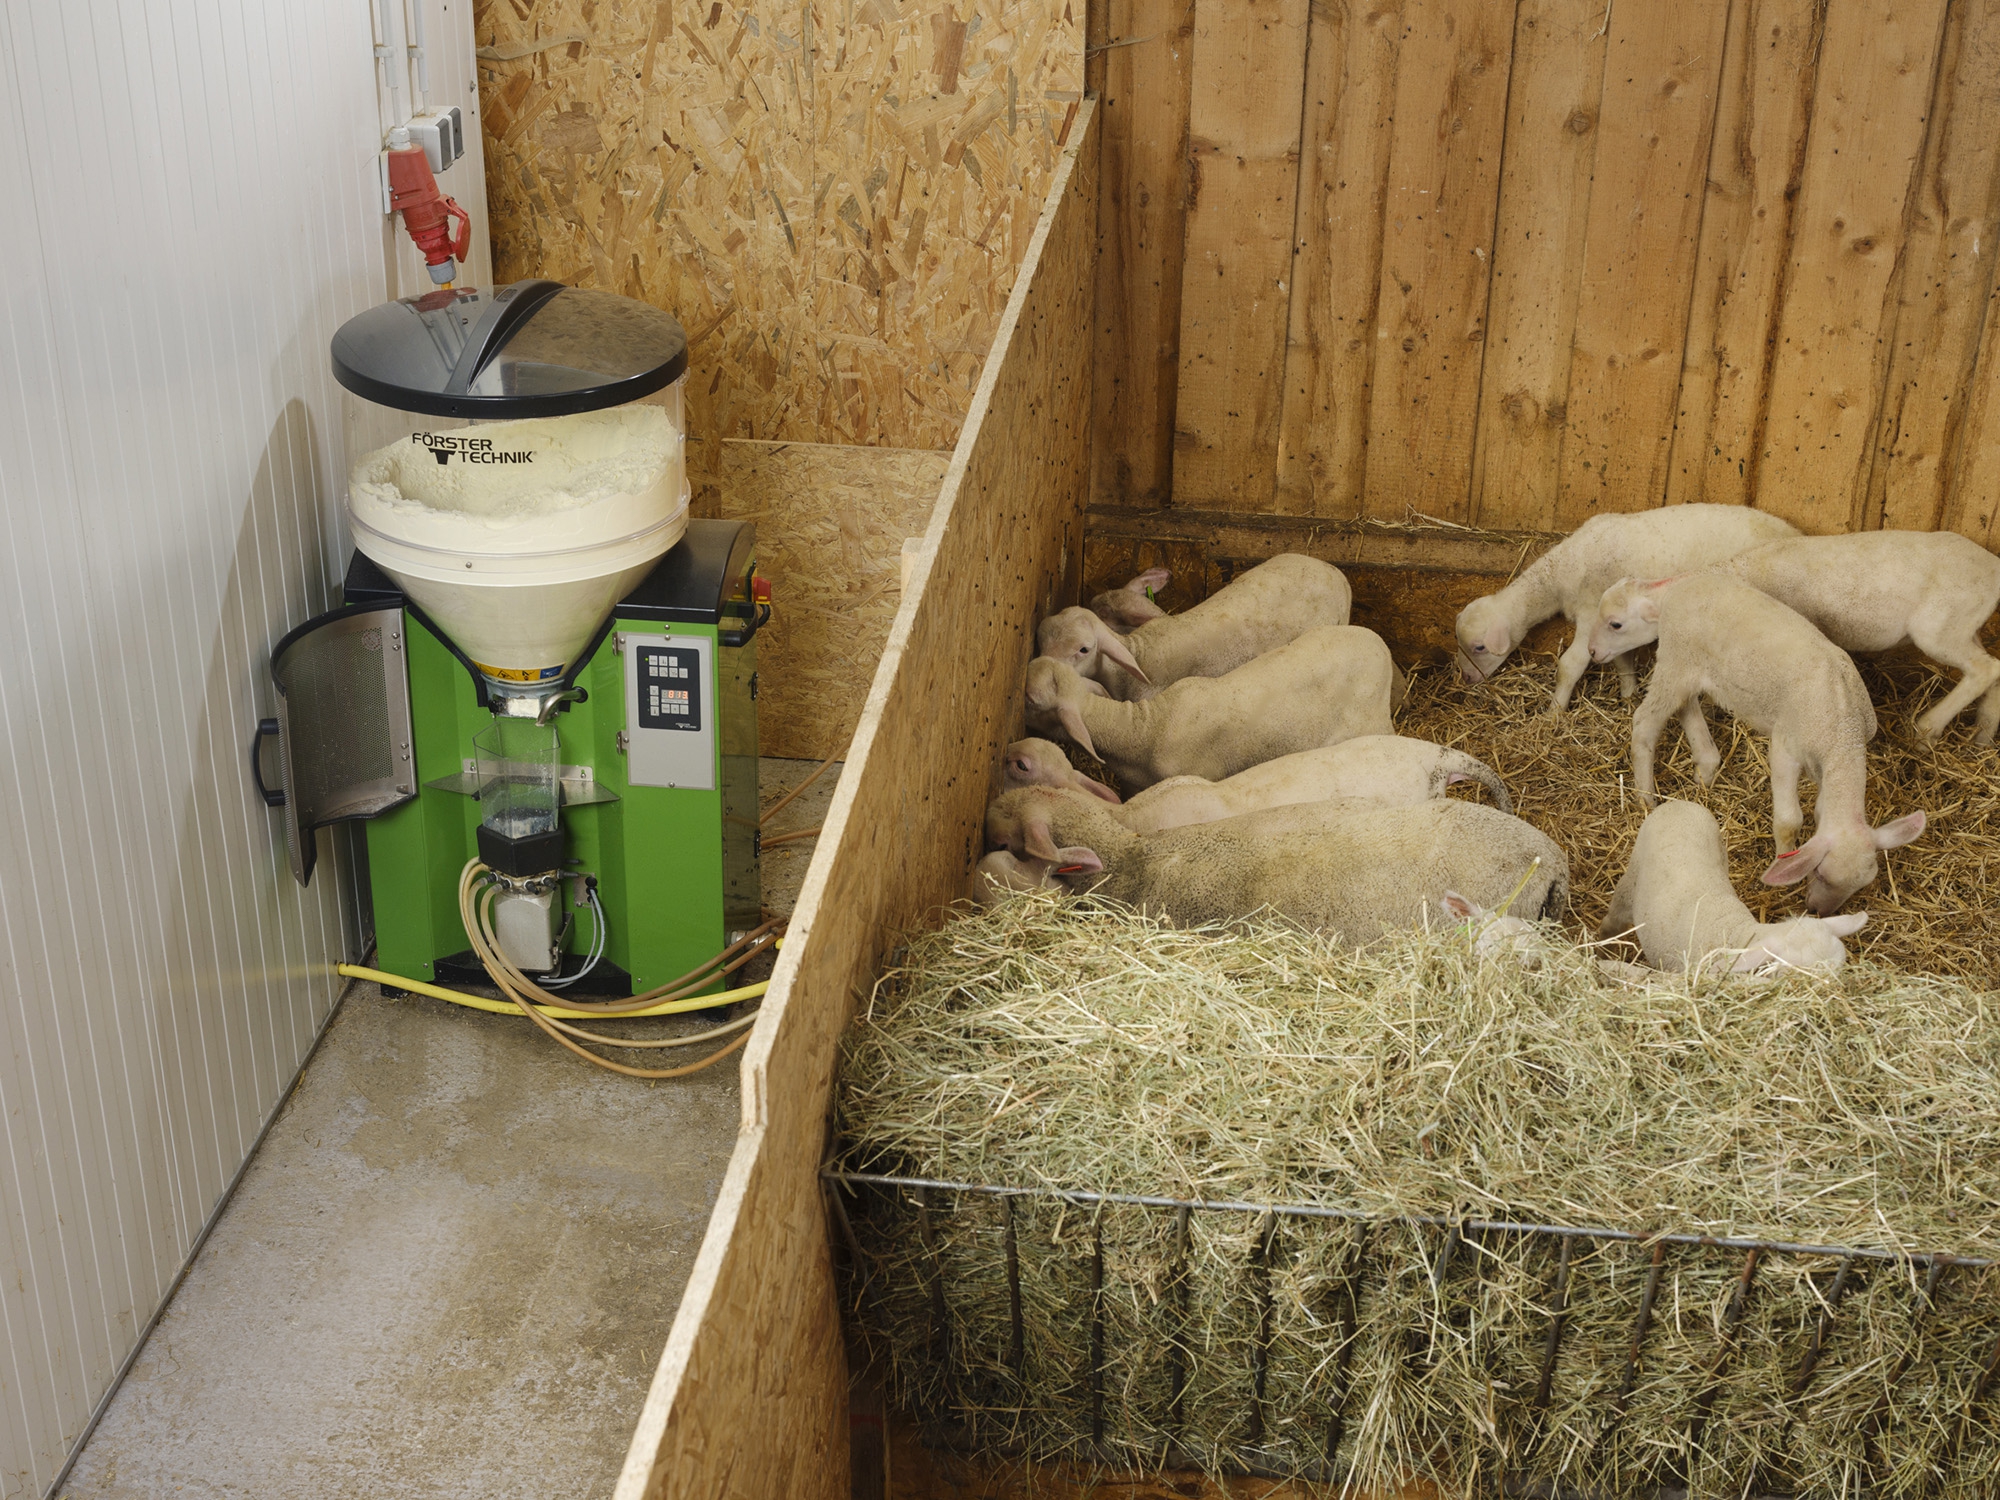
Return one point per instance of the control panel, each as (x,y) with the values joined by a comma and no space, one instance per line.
(669,710)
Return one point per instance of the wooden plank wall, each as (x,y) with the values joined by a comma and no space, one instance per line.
(751,1395)
(1512,263)
(831,195)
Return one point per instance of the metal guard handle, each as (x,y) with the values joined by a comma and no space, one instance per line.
(271,798)
(742,637)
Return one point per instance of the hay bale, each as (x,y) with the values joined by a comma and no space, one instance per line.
(1052,1044)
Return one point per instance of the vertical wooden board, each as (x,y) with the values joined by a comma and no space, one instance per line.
(1554,102)
(1347,131)
(830,527)
(1877,67)
(1762,119)
(1972,503)
(662,151)
(1248,75)
(1437,249)
(935,139)
(749,1398)
(1141,227)
(1948,257)
(1662,67)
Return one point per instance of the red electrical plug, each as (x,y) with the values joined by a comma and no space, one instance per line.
(426,211)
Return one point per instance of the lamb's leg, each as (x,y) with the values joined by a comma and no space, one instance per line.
(1647,723)
(1570,667)
(1989,716)
(1628,675)
(1694,724)
(1980,675)
(1787,817)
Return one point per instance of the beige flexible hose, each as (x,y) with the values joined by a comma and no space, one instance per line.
(475,907)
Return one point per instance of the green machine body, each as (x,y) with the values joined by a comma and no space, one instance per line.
(657,741)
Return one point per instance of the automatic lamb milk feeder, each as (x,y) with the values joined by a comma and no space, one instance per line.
(541,662)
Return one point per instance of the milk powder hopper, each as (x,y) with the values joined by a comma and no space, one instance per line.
(517,462)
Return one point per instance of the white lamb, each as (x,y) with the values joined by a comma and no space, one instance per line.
(1385,768)
(1676,900)
(1876,590)
(1767,665)
(1571,577)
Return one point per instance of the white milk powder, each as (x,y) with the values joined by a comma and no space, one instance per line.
(483,487)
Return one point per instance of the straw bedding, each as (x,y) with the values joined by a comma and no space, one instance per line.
(1074,1044)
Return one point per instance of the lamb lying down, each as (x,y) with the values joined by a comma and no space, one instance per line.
(1353,870)
(1391,769)
(1677,901)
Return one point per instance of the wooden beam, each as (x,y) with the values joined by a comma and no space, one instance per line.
(1243,172)
(1554,111)
(1437,249)
(1755,165)
(1662,69)
(1878,66)
(1347,130)
(1949,253)
(1141,229)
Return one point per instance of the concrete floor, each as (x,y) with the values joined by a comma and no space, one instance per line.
(449,1271)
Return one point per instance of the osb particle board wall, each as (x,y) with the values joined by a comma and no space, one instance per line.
(831,522)
(831,195)
(1515,262)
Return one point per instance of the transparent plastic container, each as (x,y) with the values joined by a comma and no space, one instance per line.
(517,462)
(520,777)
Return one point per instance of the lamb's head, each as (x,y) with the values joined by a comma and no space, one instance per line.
(1802,943)
(1081,641)
(1055,700)
(1840,859)
(1628,616)
(1037,762)
(1485,638)
(998,873)
(1071,833)
(1496,936)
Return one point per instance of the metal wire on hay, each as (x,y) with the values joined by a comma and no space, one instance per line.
(1240,1198)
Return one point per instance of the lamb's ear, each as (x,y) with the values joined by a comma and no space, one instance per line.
(1903,830)
(1078,860)
(1152,578)
(1036,841)
(1801,862)
(1846,924)
(1497,643)
(1457,906)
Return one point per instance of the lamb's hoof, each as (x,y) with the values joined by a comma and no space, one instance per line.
(1706,774)
(1985,734)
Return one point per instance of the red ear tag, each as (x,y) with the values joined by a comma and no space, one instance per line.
(1071,869)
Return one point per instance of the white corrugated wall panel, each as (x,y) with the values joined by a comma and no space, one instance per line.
(188,208)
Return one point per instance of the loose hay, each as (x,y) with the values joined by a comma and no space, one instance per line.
(1075,1045)
(1930,910)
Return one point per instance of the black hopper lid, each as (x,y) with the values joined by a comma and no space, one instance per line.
(532,349)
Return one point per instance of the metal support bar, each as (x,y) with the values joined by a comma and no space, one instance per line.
(1732,1319)
(1097,1330)
(1558,1315)
(1016,1341)
(1639,1328)
(1178,1372)
(1261,1255)
(1871,1425)
(1822,1327)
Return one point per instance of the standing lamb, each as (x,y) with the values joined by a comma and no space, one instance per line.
(1329,685)
(1126,608)
(1275,602)
(1383,768)
(1572,576)
(1352,870)
(1876,590)
(1676,900)
(1766,664)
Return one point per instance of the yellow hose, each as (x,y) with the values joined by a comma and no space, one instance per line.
(508,1008)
